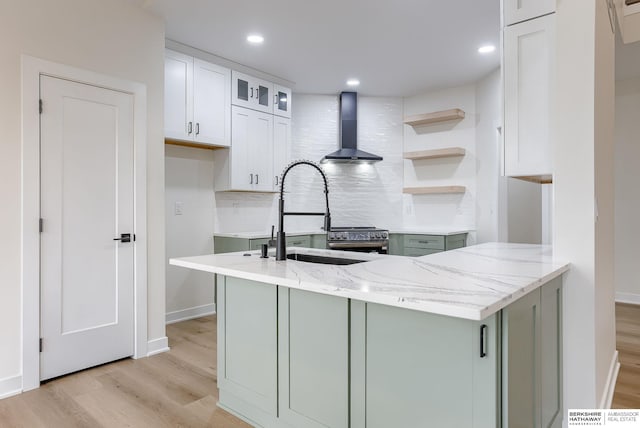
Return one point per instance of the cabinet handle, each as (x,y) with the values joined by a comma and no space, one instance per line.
(251,92)
(275,99)
(483,340)
(251,182)
(190,128)
(276,180)
(423,242)
(197,128)
(257,182)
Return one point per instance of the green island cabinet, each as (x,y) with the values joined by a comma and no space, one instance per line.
(226,244)
(415,245)
(297,359)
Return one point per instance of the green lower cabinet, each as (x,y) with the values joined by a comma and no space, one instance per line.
(297,359)
(314,359)
(225,244)
(422,370)
(319,240)
(416,245)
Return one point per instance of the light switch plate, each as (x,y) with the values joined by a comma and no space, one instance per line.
(177,208)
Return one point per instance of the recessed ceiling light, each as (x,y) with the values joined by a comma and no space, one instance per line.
(486,49)
(353,82)
(255,39)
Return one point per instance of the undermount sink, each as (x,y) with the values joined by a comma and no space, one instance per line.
(311,258)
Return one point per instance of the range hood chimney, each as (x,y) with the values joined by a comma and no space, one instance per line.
(349,152)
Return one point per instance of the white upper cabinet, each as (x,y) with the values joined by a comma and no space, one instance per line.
(251,92)
(281,148)
(515,11)
(197,100)
(529,58)
(248,164)
(281,101)
(178,93)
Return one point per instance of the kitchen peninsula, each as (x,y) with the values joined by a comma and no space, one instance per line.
(469,337)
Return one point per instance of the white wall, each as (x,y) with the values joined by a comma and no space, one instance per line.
(627,196)
(491,187)
(109,37)
(456,210)
(582,173)
(189,231)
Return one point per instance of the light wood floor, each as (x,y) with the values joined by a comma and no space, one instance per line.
(173,389)
(627,393)
(178,388)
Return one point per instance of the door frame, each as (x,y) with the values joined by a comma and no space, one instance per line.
(32,69)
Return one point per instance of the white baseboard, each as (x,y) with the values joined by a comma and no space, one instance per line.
(157,346)
(628,298)
(610,386)
(191,313)
(10,386)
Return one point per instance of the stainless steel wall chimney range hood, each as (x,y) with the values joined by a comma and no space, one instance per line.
(349,152)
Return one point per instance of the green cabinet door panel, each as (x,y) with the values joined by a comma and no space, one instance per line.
(396,244)
(424,370)
(435,242)
(452,242)
(256,244)
(299,241)
(314,359)
(248,332)
(319,240)
(521,362)
(551,353)
(224,244)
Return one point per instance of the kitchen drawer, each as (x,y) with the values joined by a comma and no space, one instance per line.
(424,241)
(299,241)
(256,244)
(417,252)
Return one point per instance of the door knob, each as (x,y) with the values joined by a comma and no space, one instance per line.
(125,237)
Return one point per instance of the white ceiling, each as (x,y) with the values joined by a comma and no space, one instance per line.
(395,47)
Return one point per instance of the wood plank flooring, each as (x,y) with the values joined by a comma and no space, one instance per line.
(178,388)
(173,389)
(627,393)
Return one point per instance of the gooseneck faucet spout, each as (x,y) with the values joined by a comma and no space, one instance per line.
(281,244)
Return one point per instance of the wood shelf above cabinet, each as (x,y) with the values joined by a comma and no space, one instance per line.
(432,190)
(435,153)
(434,117)
(540,179)
(173,142)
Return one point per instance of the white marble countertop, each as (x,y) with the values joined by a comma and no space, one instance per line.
(262,235)
(418,230)
(472,282)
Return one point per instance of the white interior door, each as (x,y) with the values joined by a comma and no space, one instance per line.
(87,277)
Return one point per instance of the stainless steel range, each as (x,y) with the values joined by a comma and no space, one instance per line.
(363,239)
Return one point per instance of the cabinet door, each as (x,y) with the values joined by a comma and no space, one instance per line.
(521,362)
(551,353)
(299,241)
(528,70)
(241,173)
(281,148)
(523,10)
(313,361)
(178,96)
(281,101)
(211,103)
(415,369)
(251,92)
(247,342)
(261,150)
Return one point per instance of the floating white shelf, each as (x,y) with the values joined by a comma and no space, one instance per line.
(435,153)
(435,117)
(431,190)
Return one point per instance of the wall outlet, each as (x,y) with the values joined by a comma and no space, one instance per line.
(177,208)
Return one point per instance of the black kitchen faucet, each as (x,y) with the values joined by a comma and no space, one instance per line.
(281,245)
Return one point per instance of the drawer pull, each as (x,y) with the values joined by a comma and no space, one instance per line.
(483,340)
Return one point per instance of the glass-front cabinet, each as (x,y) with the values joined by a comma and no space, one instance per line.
(281,101)
(251,92)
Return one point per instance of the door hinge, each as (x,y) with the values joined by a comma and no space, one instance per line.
(40,345)
(40,106)
(41,225)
